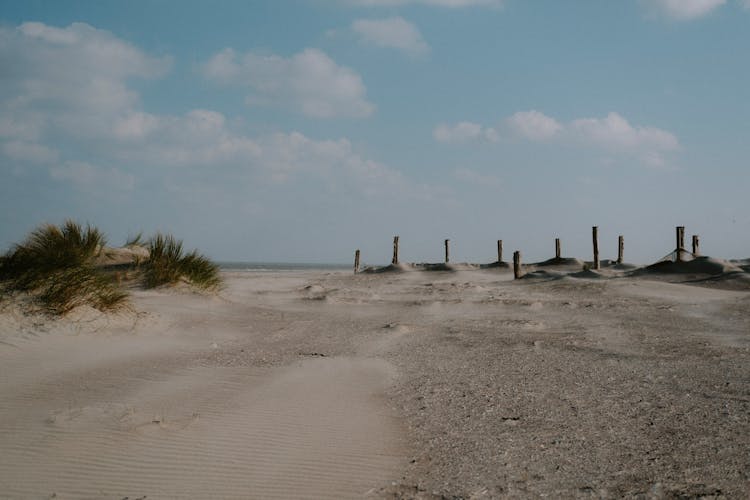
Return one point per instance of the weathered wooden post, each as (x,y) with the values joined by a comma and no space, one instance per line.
(356,261)
(499,250)
(595,238)
(696,245)
(620,248)
(557,248)
(516,264)
(680,230)
(447,252)
(395,250)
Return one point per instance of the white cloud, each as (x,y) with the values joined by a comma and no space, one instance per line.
(534,125)
(684,10)
(293,163)
(29,152)
(69,81)
(615,133)
(92,178)
(436,3)
(745,4)
(25,126)
(288,155)
(86,48)
(202,142)
(55,109)
(135,125)
(310,81)
(394,32)
(491,135)
(464,132)
(198,138)
(461,132)
(477,178)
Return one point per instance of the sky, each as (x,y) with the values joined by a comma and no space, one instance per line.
(301,130)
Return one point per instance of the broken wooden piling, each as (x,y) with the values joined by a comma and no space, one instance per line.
(620,248)
(680,235)
(516,264)
(595,238)
(447,251)
(499,251)
(394,261)
(696,245)
(356,261)
(557,248)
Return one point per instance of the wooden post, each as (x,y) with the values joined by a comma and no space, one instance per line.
(680,230)
(620,248)
(595,238)
(696,245)
(356,261)
(557,248)
(395,250)
(447,252)
(499,250)
(516,264)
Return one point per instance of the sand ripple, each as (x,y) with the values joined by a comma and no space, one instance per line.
(316,429)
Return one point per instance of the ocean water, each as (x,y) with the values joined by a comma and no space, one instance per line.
(281,266)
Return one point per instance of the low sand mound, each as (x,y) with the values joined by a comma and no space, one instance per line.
(492,265)
(725,281)
(624,267)
(444,266)
(439,266)
(699,265)
(123,256)
(561,262)
(422,266)
(391,268)
(614,265)
(587,274)
(544,275)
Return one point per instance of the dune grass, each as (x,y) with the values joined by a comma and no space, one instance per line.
(70,288)
(56,265)
(49,249)
(135,241)
(168,264)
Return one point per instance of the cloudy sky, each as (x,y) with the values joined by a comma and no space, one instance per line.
(301,130)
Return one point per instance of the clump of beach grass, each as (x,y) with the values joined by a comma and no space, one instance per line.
(56,265)
(68,289)
(168,264)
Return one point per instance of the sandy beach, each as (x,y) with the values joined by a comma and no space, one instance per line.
(325,384)
(374,249)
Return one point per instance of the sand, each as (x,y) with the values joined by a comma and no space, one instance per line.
(455,383)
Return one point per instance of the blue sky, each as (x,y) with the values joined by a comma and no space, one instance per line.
(302,130)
